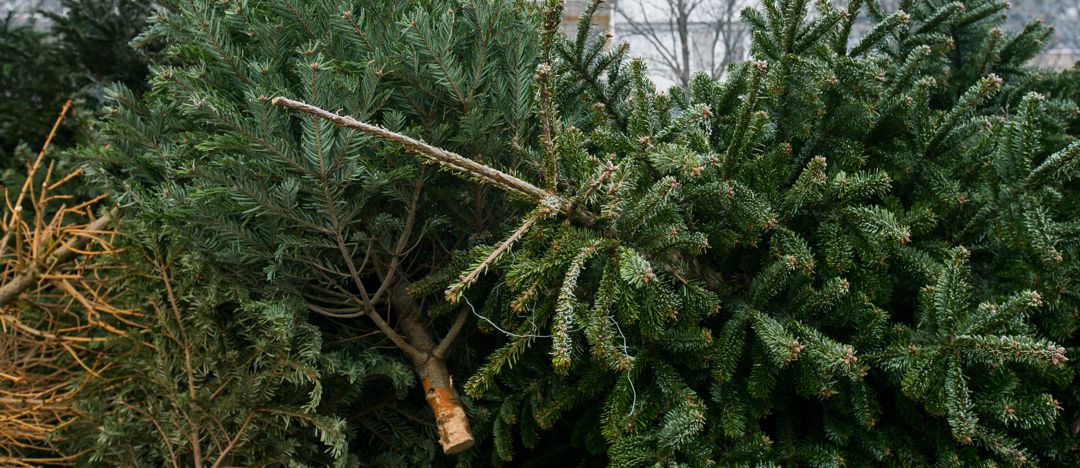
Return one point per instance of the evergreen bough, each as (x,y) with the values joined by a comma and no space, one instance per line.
(334,230)
(851,251)
(82,48)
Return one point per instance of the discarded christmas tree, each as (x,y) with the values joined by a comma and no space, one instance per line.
(317,218)
(847,252)
(754,266)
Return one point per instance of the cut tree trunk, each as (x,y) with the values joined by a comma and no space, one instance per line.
(455,435)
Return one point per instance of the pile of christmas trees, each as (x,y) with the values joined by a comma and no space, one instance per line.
(438,232)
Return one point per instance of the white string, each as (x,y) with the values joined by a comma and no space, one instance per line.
(633,404)
(515,335)
(633,390)
(531,322)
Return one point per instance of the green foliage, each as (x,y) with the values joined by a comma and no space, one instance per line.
(248,378)
(795,211)
(82,49)
(851,251)
(317,225)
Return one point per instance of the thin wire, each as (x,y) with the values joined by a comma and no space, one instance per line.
(633,389)
(633,404)
(515,335)
(531,322)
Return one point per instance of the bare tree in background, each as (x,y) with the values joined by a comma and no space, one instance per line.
(727,30)
(685,36)
(1062,49)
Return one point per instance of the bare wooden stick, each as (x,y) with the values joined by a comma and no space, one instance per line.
(455,434)
(30,176)
(46,345)
(435,155)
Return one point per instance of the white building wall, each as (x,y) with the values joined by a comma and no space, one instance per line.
(24,11)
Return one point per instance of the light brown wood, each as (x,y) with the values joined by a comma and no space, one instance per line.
(455,435)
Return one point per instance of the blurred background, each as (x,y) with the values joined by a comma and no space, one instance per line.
(73,48)
(681,37)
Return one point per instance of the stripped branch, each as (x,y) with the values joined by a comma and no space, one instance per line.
(54,303)
(65,253)
(436,155)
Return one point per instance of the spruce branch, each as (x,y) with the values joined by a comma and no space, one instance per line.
(939,16)
(974,96)
(368,303)
(819,29)
(973,15)
(189,368)
(435,155)
(232,442)
(402,243)
(1063,165)
(552,19)
(585,21)
(548,115)
(879,32)
(757,77)
(608,100)
(793,16)
(840,41)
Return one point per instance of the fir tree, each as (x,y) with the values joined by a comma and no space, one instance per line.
(779,267)
(220,377)
(305,214)
(851,251)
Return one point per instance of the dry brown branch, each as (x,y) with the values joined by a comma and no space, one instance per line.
(54,300)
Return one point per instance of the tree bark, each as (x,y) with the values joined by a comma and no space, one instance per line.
(455,435)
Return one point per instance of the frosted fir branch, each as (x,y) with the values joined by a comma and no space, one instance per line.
(435,154)
(939,16)
(975,95)
(453,293)
(758,69)
(1063,165)
(562,348)
(879,32)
